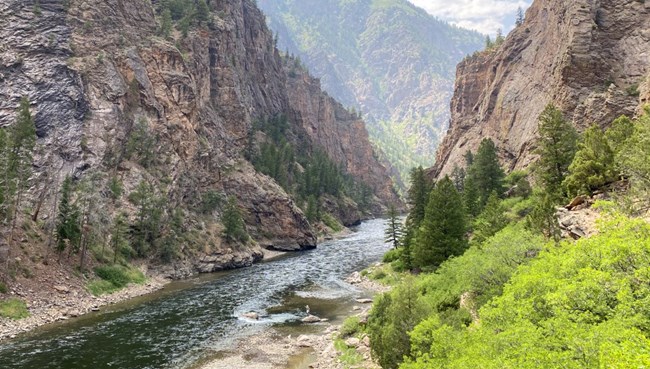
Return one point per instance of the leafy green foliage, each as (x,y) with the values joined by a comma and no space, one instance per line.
(113,278)
(234,227)
(582,305)
(593,165)
(392,316)
(442,232)
(542,218)
(350,327)
(13,308)
(634,163)
(491,220)
(557,147)
(210,201)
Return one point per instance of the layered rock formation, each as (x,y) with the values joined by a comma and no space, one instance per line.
(589,58)
(389,58)
(95,71)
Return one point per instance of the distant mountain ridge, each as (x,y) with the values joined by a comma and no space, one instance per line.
(387,58)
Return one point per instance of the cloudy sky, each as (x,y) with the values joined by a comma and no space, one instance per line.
(485,16)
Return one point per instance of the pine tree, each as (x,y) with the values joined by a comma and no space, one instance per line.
(542,218)
(166,23)
(458,177)
(234,227)
(593,165)
(68,229)
(520,16)
(619,132)
(149,216)
(500,38)
(471,197)
(442,233)
(4,154)
(17,159)
(119,235)
(394,232)
(557,147)
(202,11)
(488,43)
(486,171)
(418,196)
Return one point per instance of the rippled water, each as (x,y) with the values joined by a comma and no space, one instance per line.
(172,329)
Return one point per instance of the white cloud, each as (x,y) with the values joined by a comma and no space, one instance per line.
(485,16)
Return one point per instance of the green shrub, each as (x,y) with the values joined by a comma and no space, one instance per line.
(331,222)
(3,288)
(350,327)
(13,309)
(113,278)
(392,255)
(100,287)
(348,356)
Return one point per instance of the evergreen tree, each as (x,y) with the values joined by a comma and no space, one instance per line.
(593,165)
(393,233)
(312,212)
(202,12)
(166,23)
(491,220)
(234,227)
(488,42)
(68,229)
(458,177)
(486,171)
(17,159)
(418,196)
(119,239)
(520,16)
(149,216)
(471,197)
(4,154)
(442,233)
(634,163)
(542,218)
(500,38)
(619,132)
(557,147)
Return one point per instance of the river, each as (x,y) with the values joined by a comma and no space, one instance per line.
(174,328)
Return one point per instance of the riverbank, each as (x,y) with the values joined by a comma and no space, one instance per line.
(67,299)
(275,349)
(64,296)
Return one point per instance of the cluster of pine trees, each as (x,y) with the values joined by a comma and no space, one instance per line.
(183,14)
(306,175)
(500,289)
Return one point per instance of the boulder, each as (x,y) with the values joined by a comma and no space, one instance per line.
(364,301)
(251,315)
(311,319)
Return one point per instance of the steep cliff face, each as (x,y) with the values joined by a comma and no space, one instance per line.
(97,71)
(389,58)
(342,134)
(589,58)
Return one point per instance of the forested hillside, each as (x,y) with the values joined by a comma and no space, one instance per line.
(508,277)
(387,59)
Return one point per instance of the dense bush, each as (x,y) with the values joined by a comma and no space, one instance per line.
(582,305)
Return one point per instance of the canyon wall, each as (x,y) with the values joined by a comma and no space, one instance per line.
(591,58)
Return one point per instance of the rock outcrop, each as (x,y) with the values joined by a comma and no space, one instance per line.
(96,71)
(589,58)
(389,58)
